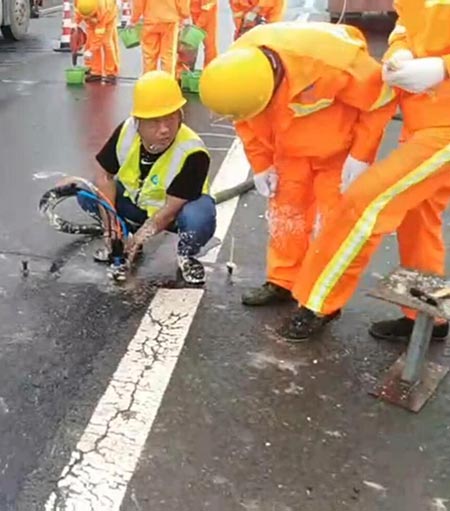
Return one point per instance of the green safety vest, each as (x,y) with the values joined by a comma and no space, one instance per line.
(151,196)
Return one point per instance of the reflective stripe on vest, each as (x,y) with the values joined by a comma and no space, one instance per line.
(304,109)
(152,194)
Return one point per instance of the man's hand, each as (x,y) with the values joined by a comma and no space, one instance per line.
(130,24)
(266,182)
(417,75)
(394,63)
(87,54)
(186,22)
(350,171)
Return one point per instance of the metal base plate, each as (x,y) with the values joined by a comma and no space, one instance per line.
(395,289)
(413,398)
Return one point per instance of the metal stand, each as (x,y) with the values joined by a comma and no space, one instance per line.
(412,380)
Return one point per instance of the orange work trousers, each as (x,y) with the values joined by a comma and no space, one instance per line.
(406,192)
(159,43)
(207,20)
(105,58)
(308,188)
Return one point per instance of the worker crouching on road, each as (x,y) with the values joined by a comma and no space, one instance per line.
(159,39)
(204,15)
(154,169)
(102,48)
(247,14)
(308,103)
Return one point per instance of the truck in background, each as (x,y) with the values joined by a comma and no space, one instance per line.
(14,18)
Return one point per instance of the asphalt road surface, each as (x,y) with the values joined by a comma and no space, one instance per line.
(154,397)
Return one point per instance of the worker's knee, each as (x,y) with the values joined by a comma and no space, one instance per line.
(198,216)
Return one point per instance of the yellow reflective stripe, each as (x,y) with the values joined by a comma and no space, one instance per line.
(398,30)
(238,14)
(433,3)
(100,31)
(363,229)
(302,109)
(386,96)
(208,7)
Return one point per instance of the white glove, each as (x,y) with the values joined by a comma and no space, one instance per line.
(266,182)
(129,24)
(395,62)
(186,22)
(87,54)
(417,75)
(350,171)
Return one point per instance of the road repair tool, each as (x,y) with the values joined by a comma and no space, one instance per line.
(117,227)
(76,75)
(108,221)
(412,380)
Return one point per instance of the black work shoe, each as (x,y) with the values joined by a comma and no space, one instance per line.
(110,79)
(400,330)
(267,294)
(305,324)
(90,78)
(191,270)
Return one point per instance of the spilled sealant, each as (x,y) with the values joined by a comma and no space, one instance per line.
(263,360)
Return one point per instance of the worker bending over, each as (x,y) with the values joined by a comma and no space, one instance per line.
(310,108)
(204,15)
(406,192)
(249,13)
(159,37)
(102,48)
(154,169)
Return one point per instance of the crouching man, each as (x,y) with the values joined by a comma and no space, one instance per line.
(154,169)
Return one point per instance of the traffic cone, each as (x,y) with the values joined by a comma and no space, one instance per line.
(64,42)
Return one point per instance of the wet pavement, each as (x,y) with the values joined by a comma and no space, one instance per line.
(247,422)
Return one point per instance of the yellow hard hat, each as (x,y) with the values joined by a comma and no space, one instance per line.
(156,94)
(87,7)
(238,83)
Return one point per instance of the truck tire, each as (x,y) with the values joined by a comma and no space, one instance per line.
(19,19)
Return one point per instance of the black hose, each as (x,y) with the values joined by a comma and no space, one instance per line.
(52,198)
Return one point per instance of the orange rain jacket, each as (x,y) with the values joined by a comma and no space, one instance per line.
(271,10)
(332,97)
(422,28)
(160,11)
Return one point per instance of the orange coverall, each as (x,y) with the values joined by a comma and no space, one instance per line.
(331,101)
(270,10)
(102,38)
(204,15)
(160,31)
(408,191)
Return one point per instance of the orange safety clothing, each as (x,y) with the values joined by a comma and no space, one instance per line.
(407,191)
(159,37)
(102,38)
(159,43)
(204,15)
(270,10)
(330,103)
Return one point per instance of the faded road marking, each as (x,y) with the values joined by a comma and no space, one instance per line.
(100,468)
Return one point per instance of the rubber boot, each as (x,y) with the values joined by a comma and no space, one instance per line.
(400,330)
(267,294)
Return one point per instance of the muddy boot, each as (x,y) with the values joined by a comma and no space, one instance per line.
(400,330)
(90,78)
(305,324)
(267,294)
(110,79)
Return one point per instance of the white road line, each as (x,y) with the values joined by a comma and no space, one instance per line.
(105,458)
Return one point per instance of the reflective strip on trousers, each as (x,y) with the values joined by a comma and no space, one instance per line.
(363,229)
(386,96)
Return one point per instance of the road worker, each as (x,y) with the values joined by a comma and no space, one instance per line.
(159,39)
(102,49)
(154,169)
(308,103)
(204,15)
(406,192)
(249,13)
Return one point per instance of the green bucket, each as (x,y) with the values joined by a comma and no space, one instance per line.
(194,80)
(75,75)
(131,37)
(192,36)
(185,80)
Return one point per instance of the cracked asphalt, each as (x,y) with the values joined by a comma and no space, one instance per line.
(247,422)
